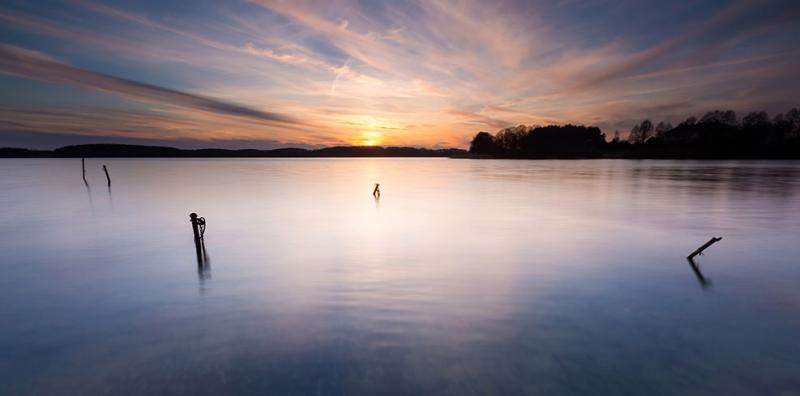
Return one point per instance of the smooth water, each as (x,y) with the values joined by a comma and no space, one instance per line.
(466,277)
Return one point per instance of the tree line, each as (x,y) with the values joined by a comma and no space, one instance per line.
(717,134)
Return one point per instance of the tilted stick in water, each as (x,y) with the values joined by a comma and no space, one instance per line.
(705,245)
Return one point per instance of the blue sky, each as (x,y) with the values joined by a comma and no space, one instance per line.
(424,73)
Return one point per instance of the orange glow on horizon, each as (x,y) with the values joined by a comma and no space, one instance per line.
(371,138)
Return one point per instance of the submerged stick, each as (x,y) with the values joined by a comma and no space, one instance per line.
(107,177)
(704,247)
(198,229)
(83,168)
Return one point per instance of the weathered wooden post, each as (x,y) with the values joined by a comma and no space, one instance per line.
(704,247)
(196,223)
(83,168)
(107,176)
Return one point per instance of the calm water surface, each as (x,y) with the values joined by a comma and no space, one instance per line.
(466,277)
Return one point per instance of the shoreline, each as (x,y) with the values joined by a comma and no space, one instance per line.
(137,151)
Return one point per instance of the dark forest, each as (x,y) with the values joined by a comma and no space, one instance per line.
(717,134)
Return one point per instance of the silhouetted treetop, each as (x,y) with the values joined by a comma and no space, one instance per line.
(720,117)
(569,141)
(483,143)
(641,132)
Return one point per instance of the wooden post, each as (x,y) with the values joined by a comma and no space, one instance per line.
(196,231)
(704,247)
(83,168)
(107,176)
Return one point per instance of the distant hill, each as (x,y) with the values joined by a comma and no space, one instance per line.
(137,151)
(9,152)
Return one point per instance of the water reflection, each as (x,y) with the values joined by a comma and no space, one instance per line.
(110,198)
(203,266)
(475,277)
(704,282)
(89,195)
(777,178)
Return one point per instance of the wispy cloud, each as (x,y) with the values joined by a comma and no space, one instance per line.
(728,25)
(24,63)
(479,119)
(426,88)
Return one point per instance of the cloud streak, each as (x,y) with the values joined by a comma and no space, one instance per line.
(727,25)
(25,63)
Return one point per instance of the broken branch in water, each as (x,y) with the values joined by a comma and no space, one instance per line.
(83,168)
(198,229)
(704,247)
(107,177)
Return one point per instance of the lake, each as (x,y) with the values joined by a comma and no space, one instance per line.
(465,277)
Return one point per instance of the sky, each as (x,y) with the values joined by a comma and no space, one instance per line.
(265,74)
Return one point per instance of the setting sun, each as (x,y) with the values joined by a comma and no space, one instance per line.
(371,138)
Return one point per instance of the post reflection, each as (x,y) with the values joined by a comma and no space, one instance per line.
(89,195)
(704,282)
(204,265)
(110,198)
